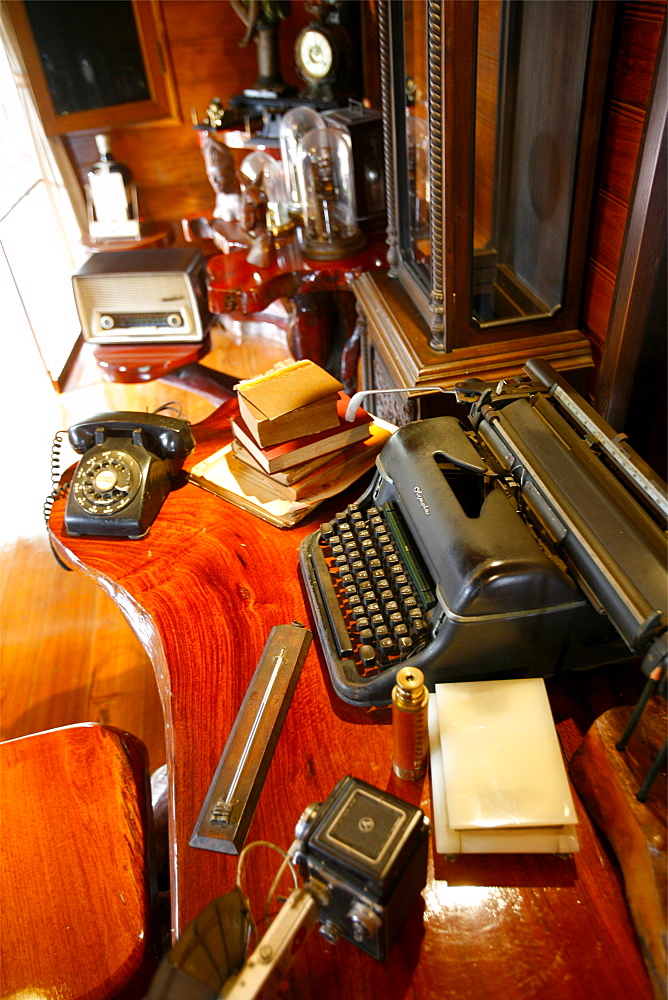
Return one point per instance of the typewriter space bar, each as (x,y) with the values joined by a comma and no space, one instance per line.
(334,616)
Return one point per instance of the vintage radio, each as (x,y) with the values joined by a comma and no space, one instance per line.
(143,296)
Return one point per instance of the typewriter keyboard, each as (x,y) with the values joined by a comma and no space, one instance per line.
(375,592)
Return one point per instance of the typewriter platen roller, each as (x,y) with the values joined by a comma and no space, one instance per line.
(528,543)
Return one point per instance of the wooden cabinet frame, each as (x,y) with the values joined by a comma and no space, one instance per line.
(452,31)
(161,104)
(437,342)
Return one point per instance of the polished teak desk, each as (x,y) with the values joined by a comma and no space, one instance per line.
(202,592)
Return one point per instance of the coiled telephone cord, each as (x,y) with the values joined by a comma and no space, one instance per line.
(58,489)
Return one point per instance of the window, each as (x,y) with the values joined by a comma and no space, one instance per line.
(39,230)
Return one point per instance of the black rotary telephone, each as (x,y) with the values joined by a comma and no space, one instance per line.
(130,463)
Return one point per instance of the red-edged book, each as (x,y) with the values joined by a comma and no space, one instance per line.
(283,456)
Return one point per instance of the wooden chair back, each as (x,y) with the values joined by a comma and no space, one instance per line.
(75,865)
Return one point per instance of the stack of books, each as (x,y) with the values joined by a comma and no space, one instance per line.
(292,446)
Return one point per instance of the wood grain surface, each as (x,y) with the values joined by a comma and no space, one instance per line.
(202,592)
(608,780)
(76,895)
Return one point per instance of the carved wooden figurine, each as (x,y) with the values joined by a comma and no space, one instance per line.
(240,211)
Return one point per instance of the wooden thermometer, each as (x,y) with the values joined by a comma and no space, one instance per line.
(230,802)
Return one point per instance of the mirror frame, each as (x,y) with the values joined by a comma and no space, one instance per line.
(162,103)
(445,304)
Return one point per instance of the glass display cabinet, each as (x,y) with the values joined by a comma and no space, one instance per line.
(494,110)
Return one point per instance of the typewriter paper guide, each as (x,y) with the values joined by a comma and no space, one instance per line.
(499,782)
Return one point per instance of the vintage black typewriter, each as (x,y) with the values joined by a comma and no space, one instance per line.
(531,543)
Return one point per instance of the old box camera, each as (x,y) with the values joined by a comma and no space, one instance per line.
(369,849)
(143,296)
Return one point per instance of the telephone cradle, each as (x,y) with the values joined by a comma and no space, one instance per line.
(130,463)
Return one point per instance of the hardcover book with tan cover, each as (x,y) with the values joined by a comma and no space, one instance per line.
(224,475)
(357,457)
(295,451)
(288,402)
(285,476)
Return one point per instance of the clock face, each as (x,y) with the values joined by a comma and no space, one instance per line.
(314,54)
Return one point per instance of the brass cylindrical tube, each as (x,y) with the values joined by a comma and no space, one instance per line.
(410,736)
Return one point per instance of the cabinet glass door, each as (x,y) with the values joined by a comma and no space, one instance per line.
(495,109)
(94,64)
(530,71)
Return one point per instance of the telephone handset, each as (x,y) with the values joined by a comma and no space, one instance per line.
(129,465)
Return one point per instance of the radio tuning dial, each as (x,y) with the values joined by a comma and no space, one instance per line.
(175,319)
(107,322)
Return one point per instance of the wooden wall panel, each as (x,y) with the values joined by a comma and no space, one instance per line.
(608,236)
(639,38)
(599,290)
(636,56)
(622,143)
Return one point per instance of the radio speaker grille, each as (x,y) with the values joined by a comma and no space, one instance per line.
(143,305)
(133,292)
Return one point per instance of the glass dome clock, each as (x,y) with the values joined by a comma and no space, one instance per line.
(330,227)
(263,171)
(294,125)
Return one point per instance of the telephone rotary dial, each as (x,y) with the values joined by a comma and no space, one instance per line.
(106,482)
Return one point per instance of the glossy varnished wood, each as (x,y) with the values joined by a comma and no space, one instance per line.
(609,779)
(202,592)
(67,654)
(235,286)
(319,292)
(636,60)
(77,897)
